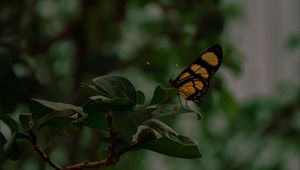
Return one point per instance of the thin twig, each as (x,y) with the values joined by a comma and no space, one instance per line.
(110,159)
(96,164)
(104,163)
(113,137)
(112,156)
(42,154)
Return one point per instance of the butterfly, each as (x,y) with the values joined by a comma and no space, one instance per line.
(193,82)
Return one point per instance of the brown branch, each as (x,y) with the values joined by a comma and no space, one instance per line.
(110,159)
(113,137)
(42,154)
(46,158)
(96,164)
(112,156)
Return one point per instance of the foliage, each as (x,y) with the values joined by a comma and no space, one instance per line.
(114,111)
(47,48)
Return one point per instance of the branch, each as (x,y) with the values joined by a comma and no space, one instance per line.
(112,156)
(110,159)
(96,164)
(42,154)
(113,137)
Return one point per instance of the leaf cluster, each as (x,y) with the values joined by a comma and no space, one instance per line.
(117,110)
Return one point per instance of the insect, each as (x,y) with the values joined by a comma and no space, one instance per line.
(193,82)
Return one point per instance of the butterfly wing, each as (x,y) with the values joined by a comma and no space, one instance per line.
(192,83)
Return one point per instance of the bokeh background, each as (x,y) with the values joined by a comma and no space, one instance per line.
(251,112)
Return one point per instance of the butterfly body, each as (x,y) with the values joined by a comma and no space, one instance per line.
(193,82)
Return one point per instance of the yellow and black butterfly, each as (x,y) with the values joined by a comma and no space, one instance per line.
(192,83)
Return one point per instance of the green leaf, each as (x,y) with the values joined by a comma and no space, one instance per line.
(95,116)
(112,86)
(13,152)
(91,87)
(61,124)
(144,135)
(140,97)
(165,146)
(11,123)
(111,103)
(168,132)
(125,123)
(43,111)
(170,110)
(163,96)
(162,128)
(140,114)
(2,143)
(128,120)
(2,140)
(25,120)
(40,108)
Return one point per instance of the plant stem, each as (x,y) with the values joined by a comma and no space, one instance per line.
(110,159)
(42,154)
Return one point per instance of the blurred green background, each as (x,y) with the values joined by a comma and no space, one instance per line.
(251,112)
